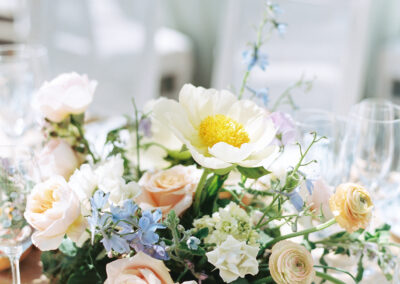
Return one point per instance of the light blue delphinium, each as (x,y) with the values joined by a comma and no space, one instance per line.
(148,224)
(193,243)
(124,212)
(296,199)
(99,199)
(116,243)
(254,57)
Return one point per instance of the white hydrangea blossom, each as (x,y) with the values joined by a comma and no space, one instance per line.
(234,259)
(231,220)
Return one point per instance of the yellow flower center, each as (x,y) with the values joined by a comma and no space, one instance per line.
(220,128)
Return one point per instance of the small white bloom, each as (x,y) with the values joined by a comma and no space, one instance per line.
(229,221)
(106,177)
(218,129)
(234,259)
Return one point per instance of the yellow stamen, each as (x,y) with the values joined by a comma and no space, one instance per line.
(220,128)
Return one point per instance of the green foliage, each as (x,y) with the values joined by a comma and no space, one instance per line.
(72,265)
(253,173)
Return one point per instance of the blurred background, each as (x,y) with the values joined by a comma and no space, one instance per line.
(149,48)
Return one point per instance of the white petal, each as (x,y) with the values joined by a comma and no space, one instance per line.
(207,162)
(229,153)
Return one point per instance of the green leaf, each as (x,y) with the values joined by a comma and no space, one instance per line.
(360,269)
(202,233)
(253,173)
(68,247)
(210,193)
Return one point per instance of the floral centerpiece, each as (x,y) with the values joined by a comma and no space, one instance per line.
(188,191)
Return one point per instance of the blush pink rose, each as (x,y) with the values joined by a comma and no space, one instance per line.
(140,269)
(69,93)
(58,158)
(171,189)
(53,210)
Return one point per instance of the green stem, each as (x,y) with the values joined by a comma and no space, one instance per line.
(304,232)
(138,171)
(199,190)
(266,210)
(85,142)
(329,278)
(244,82)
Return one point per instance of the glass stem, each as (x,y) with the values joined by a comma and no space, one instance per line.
(14,263)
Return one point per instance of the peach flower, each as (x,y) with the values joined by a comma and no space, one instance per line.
(291,263)
(69,93)
(352,206)
(58,158)
(170,189)
(139,269)
(53,210)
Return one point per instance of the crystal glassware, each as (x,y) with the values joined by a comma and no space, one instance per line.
(327,150)
(23,68)
(18,173)
(370,141)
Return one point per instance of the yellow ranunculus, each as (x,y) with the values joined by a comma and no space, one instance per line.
(219,130)
(352,206)
(291,263)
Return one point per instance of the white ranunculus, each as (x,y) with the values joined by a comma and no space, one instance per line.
(219,130)
(53,210)
(69,93)
(57,158)
(234,259)
(106,177)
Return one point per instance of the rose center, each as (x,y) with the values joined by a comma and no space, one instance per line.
(220,128)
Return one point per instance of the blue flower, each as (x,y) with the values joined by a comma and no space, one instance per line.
(310,186)
(296,199)
(281,28)
(148,224)
(98,221)
(115,243)
(156,251)
(263,95)
(254,57)
(276,9)
(145,127)
(193,243)
(125,212)
(99,199)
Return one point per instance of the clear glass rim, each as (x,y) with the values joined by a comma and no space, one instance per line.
(20,51)
(327,115)
(377,101)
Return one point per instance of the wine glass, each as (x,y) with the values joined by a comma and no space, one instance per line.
(370,137)
(23,69)
(18,173)
(327,150)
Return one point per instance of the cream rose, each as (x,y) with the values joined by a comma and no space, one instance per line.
(69,93)
(291,263)
(234,259)
(53,210)
(168,190)
(58,158)
(352,206)
(140,269)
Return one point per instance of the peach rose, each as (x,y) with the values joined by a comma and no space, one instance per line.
(352,206)
(140,269)
(58,158)
(291,263)
(69,93)
(171,189)
(53,210)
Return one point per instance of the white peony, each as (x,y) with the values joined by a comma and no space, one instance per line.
(219,130)
(234,259)
(106,177)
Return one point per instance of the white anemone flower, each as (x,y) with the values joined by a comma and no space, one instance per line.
(219,130)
